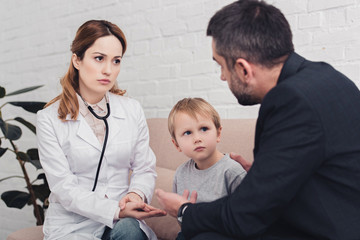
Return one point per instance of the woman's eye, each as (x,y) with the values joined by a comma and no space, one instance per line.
(117,61)
(187,133)
(99,58)
(204,129)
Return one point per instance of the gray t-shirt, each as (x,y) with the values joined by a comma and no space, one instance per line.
(212,183)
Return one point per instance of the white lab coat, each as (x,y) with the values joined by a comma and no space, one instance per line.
(69,153)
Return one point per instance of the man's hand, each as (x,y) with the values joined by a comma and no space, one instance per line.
(171,202)
(193,196)
(244,163)
(140,210)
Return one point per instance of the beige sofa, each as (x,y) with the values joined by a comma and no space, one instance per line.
(237,136)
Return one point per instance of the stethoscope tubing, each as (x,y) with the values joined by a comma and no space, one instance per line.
(105,140)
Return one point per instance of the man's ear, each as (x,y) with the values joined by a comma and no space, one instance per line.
(219,134)
(75,61)
(243,69)
(176,145)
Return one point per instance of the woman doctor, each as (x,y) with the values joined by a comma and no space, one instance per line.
(90,137)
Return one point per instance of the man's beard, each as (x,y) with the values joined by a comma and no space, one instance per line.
(242,92)
(245,99)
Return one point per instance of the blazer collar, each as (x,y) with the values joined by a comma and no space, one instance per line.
(291,66)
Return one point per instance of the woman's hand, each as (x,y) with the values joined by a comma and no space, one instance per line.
(140,210)
(130,197)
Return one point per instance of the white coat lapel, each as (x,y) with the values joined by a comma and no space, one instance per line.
(86,133)
(116,119)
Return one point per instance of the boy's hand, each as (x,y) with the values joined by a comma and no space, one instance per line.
(171,202)
(244,163)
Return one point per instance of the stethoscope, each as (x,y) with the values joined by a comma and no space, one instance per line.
(106,134)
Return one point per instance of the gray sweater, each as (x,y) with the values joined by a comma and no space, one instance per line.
(212,183)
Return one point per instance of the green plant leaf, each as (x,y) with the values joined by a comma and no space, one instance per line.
(30,106)
(42,176)
(2,151)
(10,131)
(24,90)
(36,163)
(2,92)
(41,191)
(15,199)
(26,123)
(26,158)
(23,156)
(33,153)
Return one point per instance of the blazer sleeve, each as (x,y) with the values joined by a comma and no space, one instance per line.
(63,183)
(143,160)
(288,150)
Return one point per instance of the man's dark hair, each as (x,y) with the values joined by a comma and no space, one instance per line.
(253,30)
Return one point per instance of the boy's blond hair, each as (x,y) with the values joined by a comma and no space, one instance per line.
(192,107)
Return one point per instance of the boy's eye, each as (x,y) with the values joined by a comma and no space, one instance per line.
(99,58)
(187,133)
(204,129)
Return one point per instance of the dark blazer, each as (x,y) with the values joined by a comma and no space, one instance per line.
(305,179)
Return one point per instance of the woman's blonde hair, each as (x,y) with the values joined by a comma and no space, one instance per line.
(193,107)
(85,37)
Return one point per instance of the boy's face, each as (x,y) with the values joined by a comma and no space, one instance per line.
(196,138)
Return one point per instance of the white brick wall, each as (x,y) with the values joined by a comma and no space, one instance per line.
(169,57)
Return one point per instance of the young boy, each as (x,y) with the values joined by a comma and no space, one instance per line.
(195,129)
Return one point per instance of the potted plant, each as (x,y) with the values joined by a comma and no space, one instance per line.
(10,134)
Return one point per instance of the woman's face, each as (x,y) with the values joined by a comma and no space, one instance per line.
(99,68)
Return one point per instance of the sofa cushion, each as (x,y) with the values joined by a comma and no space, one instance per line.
(160,142)
(238,136)
(165,227)
(31,233)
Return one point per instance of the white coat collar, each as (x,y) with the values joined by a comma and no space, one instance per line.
(117,114)
(117,111)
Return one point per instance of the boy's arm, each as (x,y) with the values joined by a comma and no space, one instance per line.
(233,177)
(174,188)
